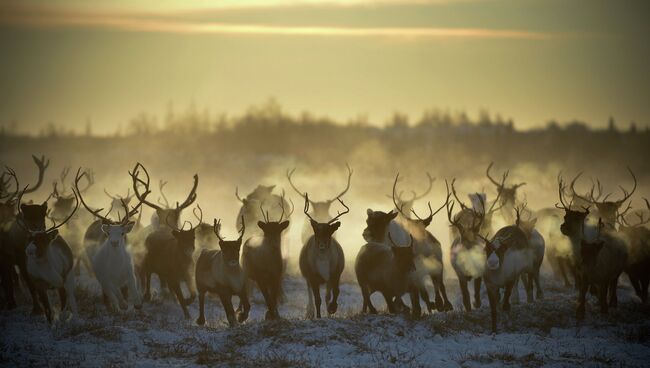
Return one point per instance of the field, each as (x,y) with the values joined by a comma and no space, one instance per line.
(543,333)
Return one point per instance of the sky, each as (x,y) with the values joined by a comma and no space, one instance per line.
(68,62)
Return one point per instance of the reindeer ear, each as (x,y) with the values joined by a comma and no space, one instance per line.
(392,215)
(427,221)
(260,224)
(369,212)
(44,205)
(284,225)
(54,233)
(128,227)
(335,226)
(533,221)
(105,228)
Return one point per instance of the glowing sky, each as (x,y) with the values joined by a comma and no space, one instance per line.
(534,60)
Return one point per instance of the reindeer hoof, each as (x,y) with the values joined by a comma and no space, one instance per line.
(477,304)
(124,306)
(200,321)
(332,307)
(242,317)
(271,316)
(448,307)
(417,313)
(137,306)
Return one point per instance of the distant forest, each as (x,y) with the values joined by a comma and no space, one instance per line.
(449,141)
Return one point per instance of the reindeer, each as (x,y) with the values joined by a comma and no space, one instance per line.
(467,214)
(538,246)
(262,258)
(205,236)
(111,262)
(219,272)
(406,205)
(507,194)
(15,239)
(600,256)
(49,264)
(389,270)
(251,204)
(507,256)
(321,209)
(638,264)
(8,203)
(168,250)
(322,261)
(428,251)
(118,200)
(607,209)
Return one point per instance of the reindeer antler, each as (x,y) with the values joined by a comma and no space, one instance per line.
(42,165)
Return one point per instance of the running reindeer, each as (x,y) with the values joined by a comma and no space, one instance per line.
(427,250)
(262,257)
(219,272)
(320,210)
(111,261)
(322,261)
(49,263)
(638,265)
(600,257)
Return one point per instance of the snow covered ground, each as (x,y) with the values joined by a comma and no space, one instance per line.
(540,334)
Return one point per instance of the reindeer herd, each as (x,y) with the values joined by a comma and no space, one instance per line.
(589,237)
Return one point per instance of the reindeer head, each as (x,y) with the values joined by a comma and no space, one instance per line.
(323,231)
(63,199)
(377,225)
(274,229)
(117,200)
(320,211)
(608,210)
(495,251)
(39,239)
(507,194)
(165,215)
(404,256)
(421,223)
(230,248)
(116,233)
(573,219)
(626,226)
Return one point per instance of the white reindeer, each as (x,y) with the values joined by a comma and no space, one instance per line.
(111,262)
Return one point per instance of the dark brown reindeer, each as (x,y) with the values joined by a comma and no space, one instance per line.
(508,195)
(219,272)
(322,261)
(168,249)
(320,210)
(600,256)
(49,263)
(8,206)
(406,205)
(638,265)
(15,237)
(428,251)
(607,209)
(262,257)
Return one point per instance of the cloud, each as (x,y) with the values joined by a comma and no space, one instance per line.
(161,23)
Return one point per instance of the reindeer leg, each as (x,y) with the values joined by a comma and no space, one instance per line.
(416,311)
(494,301)
(443,292)
(613,299)
(645,280)
(477,292)
(226,302)
(36,307)
(315,289)
(8,282)
(242,316)
(582,296)
(514,296)
(333,303)
(146,279)
(367,304)
(506,296)
(540,292)
(438,294)
(133,291)
(201,319)
(264,288)
(464,290)
(176,288)
(389,302)
(529,287)
(425,298)
(42,295)
(602,297)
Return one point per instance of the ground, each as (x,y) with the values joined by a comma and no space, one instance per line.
(544,333)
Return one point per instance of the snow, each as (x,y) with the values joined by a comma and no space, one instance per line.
(543,333)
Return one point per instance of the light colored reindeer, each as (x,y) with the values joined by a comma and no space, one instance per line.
(322,261)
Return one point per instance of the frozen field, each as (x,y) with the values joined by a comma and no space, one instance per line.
(540,334)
